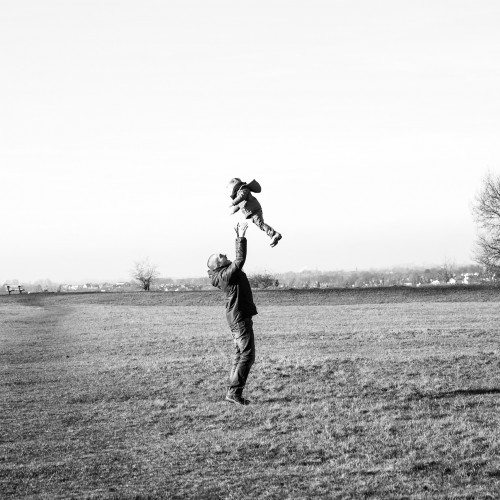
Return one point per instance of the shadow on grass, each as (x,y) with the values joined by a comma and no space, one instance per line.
(284,399)
(466,392)
(457,392)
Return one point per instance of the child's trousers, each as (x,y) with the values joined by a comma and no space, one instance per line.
(258,220)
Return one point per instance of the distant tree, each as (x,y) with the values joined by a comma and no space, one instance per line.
(426,276)
(145,273)
(486,212)
(263,280)
(446,272)
(47,285)
(415,278)
(359,280)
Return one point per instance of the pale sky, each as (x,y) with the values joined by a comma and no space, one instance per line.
(369,125)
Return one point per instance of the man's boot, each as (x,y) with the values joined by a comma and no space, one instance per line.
(237,399)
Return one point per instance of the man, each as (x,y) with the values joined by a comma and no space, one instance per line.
(230,278)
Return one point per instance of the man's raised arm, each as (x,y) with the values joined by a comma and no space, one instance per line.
(241,245)
(241,252)
(241,249)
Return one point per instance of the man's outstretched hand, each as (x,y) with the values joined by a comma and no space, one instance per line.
(241,229)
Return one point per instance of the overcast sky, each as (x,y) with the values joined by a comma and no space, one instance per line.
(369,125)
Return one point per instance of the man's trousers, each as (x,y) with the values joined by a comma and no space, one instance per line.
(244,355)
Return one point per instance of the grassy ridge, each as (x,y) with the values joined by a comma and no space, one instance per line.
(285,297)
(109,400)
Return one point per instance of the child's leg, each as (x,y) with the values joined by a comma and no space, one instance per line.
(258,220)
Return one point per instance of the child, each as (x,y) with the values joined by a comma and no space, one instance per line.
(241,194)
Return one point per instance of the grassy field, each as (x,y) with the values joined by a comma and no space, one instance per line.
(372,393)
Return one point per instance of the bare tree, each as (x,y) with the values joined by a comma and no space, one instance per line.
(145,273)
(446,272)
(486,212)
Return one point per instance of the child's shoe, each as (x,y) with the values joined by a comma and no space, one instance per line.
(276,238)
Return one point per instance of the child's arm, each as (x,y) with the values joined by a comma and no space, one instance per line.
(242,195)
(234,209)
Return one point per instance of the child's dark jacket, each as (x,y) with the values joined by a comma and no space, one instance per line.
(244,200)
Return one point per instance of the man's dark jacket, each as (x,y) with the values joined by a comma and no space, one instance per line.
(234,283)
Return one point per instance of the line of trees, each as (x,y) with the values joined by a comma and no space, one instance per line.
(383,277)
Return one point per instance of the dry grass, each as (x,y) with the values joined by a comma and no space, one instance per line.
(103,398)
